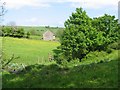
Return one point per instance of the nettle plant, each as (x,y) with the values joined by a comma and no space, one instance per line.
(16,68)
(11,67)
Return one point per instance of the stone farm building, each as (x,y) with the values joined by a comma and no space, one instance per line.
(48,35)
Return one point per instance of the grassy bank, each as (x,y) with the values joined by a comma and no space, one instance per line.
(102,75)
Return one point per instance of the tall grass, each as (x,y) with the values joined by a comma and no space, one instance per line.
(102,75)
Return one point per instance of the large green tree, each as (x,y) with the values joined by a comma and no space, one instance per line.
(83,34)
(78,35)
(109,26)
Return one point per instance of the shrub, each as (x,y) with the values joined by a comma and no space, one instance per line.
(114,46)
(5,62)
(28,35)
(16,68)
(95,57)
(13,32)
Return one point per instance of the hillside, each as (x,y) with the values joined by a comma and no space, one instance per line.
(41,28)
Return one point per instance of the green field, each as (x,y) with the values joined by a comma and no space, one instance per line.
(40,29)
(41,73)
(36,51)
(29,51)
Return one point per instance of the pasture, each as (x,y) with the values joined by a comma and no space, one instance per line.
(28,51)
(97,69)
(46,74)
(41,29)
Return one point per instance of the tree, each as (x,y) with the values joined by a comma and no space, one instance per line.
(59,33)
(20,32)
(83,34)
(108,26)
(28,35)
(13,32)
(6,31)
(78,35)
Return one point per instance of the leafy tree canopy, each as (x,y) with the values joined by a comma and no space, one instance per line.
(83,34)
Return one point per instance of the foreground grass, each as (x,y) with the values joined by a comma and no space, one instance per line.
(101,75)
(29,51)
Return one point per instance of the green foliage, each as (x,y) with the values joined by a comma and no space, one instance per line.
(5,62)
(59,34)
(92,57)
(47,26)
(83,35)
(13,32)
(19,33)
(102,75)
(15,68)
(115,46)
(76,37)
(109,26)
(36,33)
(9,66)
(28,35)
(96,57)
(6,31)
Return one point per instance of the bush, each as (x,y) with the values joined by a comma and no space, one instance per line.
(16,68)
(47,26)
(59,33)
(1,32)
(28,35)
(95,57)
(13,32)
(5,62)
(115,46)
(109,50)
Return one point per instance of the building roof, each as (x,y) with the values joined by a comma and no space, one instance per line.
(48,32)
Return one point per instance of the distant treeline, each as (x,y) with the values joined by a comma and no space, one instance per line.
(28,32)
(14,32)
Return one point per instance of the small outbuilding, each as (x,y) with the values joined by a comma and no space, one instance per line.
(48,35)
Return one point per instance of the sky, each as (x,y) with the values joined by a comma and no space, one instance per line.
(54,12)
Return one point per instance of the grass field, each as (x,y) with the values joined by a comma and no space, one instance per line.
(29,51)
(102,75)
(41,73)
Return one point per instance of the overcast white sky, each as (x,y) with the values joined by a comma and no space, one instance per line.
(54,12)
